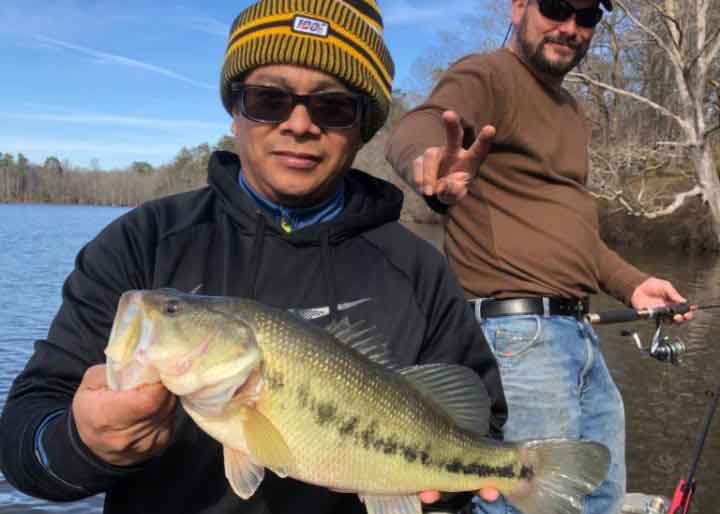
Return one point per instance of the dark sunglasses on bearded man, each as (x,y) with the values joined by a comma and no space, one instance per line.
(562,10)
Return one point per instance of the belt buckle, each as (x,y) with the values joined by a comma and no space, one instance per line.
(579,307)
(582,305)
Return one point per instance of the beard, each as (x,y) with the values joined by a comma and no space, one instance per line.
(535,54)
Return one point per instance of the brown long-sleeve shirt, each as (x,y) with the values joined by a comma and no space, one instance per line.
(528,225)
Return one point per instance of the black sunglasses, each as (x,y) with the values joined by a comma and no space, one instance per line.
(267,104)
(561,10)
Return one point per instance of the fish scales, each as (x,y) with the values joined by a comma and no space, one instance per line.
(330,408)
(366,436)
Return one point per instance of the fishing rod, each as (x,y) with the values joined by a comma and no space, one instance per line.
(685,489)
(625,315)
(661,347)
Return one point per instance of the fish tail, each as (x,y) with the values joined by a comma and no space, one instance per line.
(556,474)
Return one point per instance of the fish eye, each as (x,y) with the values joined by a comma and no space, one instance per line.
(171,307)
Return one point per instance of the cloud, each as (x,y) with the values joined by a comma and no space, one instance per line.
(100,119)
(123,61)
(207,26)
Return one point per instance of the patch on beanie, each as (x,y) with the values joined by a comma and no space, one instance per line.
(310,26)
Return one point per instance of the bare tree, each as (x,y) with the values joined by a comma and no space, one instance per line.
(681,41)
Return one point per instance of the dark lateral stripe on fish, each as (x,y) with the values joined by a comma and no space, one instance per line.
(326,413)
(527,473)
(480,470)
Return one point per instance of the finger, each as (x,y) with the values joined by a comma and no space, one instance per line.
(453,188)
(95,378)
(441,188)
(431,167)
(418,173)
(453,132)
(150,401)
(682,318)
(429,496)
(481,146)
(489,494)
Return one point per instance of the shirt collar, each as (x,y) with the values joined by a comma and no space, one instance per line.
(292,219)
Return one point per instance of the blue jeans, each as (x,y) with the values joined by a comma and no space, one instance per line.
(557,384)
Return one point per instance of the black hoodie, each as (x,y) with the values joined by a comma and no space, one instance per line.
(362,265)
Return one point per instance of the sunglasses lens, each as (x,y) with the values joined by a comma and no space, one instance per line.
(334,110)
(588,18)
(274,105)
(560,11)
(556,10)
(267,104)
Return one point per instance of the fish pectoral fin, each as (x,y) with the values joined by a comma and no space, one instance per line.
(242,473)
(267,444)
(392,504)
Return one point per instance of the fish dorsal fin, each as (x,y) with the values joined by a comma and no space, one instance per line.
(267,444)
(367,341)
(391,504)
(457,390)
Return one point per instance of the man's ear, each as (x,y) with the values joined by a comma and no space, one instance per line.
(233,128)
(518,9)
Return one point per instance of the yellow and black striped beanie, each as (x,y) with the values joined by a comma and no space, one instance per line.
(340,37)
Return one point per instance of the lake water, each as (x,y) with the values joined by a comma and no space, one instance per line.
(665,405)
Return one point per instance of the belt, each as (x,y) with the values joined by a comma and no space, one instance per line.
(542,305)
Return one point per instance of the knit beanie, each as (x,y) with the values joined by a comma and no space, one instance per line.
(340,37)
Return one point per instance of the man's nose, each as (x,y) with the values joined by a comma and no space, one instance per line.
(299,121)
(569,26)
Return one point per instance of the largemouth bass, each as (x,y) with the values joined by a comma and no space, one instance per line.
(329,407)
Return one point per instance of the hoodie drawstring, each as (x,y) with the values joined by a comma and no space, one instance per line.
(256,257)
(329,276)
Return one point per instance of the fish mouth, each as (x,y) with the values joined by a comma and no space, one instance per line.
(131,335)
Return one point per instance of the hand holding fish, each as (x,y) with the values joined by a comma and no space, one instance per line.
(122,427)
(488,494)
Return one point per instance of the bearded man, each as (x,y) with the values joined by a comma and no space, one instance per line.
(501,148)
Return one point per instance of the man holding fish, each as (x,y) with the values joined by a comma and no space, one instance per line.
(323,389)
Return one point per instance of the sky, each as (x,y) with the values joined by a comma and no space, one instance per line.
(105,83)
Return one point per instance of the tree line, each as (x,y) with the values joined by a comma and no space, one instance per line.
(650,87)
(57,181)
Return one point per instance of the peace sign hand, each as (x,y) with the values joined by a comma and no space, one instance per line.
(446,171)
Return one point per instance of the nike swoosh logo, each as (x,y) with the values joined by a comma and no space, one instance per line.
(321,312)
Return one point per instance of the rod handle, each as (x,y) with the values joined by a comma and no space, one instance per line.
(627,314)
(612,316)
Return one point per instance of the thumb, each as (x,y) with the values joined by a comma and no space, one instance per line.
(673,294)
(95,377)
